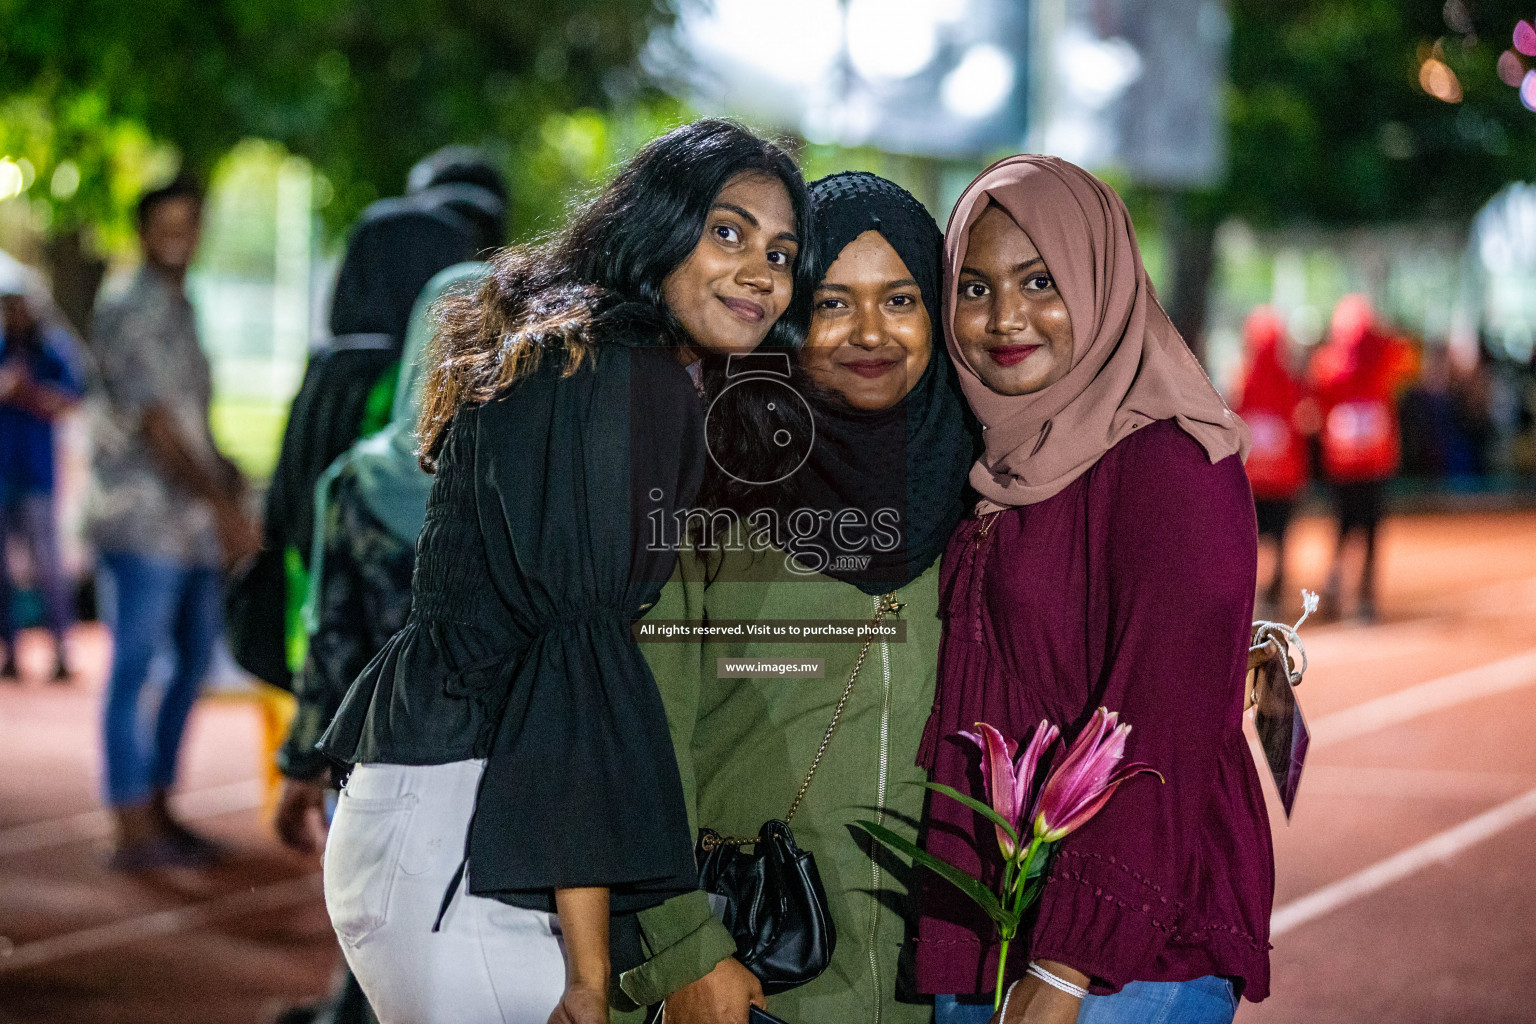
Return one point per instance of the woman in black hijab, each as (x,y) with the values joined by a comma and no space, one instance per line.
(394,250)
(859,527)
(511,753)
(891,429)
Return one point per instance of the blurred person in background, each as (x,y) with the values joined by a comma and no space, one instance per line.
(40,380)
(348,387)
(370,506)
(1356,376)
(466,181)
(165,512)
(1427,420)
(1472,401)
(1279,414)
(1446,417)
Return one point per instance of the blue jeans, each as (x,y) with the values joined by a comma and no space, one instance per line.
(30,515)
(1208,1000)
(152,605)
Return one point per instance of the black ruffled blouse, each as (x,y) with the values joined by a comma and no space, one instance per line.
(531,566)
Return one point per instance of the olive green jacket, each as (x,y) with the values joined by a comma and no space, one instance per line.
(744,746)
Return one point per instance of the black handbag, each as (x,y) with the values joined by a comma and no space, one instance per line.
(774,904)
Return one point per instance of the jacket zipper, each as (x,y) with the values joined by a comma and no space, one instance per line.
(885,737)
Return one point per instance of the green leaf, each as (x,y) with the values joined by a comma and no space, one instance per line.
(1041,861)
(982,896)
(975,805)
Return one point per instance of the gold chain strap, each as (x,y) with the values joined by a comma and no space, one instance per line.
(888,605)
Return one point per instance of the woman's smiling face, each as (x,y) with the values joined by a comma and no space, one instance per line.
(739,278)
(1010,320)
(871,336)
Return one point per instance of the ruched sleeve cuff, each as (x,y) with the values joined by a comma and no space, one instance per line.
(1101,918)
(581,786)
(298,757)
(684,940)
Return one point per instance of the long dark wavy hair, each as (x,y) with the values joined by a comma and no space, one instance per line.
(604,270)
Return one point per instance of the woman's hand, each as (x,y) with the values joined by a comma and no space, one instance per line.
(581,1005)
(720,997)
(1035,1002)
(300,817)
(584,923)
(239,535)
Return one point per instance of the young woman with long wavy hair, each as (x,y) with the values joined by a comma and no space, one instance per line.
(514,788)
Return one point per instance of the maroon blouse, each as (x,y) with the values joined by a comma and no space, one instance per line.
(1132,589)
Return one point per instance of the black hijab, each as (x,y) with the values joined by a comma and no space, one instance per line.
(857,459)
(395,249)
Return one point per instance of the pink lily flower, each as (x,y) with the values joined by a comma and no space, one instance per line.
(1010,784)
(1086,778)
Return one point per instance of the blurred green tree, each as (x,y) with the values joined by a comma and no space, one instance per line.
(361,89)
(1332,121)
(114,92)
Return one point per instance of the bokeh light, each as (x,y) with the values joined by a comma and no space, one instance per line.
(1457,17)
(65,181)
(798,43)
(1096,71)
(1439,81)
(893,40)
(1511,69)
(980,84)
(1528,91)
(12,181)
(1525,38)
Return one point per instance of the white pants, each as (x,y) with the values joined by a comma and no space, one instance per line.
(397,837)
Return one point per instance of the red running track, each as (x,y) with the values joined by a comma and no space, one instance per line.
(1405,892)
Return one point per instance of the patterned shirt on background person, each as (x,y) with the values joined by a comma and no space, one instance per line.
(147,353)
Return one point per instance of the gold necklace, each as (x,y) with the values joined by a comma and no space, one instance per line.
(986,523)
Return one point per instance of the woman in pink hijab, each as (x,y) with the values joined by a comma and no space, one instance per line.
(1110,562)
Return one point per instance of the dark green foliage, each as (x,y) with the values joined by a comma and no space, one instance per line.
(362,89)
(1328,123)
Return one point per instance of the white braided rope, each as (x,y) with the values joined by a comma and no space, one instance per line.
(1286,637)
(1057,982)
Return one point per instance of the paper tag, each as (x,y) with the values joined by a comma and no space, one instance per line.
(718,905)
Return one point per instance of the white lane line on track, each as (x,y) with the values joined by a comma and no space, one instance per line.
(203,803)
(1435,695)
(1436,849)
(276,896)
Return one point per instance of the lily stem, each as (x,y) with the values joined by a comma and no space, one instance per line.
(1015,885)
(1002,964)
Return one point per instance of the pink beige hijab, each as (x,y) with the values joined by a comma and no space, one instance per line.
(1130,367)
